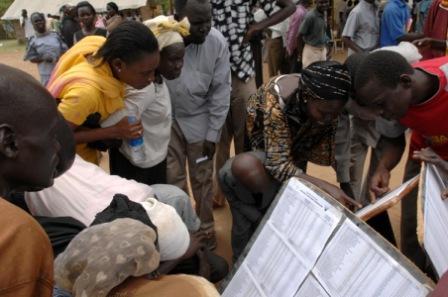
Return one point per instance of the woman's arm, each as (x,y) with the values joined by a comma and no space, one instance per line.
(121,130)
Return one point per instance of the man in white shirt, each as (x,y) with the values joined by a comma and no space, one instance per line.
(27,26)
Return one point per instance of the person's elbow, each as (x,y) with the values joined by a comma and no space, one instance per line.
(287,6)
(347,41)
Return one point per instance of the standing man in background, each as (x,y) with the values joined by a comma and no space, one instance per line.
(234,19)
(27,26)
(362,28)
(200,101)
(293,33)
(395,22)
(313,38)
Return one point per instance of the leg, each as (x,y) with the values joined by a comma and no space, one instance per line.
(410,246)
(275,53)
(177,156)
(234,127)
(246,210)
(201,185)
(381,223)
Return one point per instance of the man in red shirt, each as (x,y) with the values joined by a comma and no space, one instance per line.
(416,96)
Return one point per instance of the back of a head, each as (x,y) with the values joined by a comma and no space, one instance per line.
(37,15)
(114,6)
(386,67)
(181,6)
(22,97)
(127,42)
(353,63)
(327,80)
(85,4)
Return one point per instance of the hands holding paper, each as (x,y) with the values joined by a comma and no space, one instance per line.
(429,156)
(379,182)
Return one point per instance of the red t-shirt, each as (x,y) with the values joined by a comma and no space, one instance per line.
(429,120)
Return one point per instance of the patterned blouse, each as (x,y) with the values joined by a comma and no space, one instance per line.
(232,18)
(286,135)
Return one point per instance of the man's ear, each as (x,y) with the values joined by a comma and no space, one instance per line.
(406,81)
(8,141)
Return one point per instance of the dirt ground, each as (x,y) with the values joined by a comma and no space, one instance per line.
(12,54)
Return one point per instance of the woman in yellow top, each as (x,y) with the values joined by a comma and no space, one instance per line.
(89,81)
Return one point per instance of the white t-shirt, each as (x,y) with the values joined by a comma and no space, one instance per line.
(153,105)
(28,27)
(86,189)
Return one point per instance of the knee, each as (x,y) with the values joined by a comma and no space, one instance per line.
(250,172)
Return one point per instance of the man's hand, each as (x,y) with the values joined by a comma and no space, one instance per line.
(204,265)
(379,183)
(251,31)
(424,43)
(208,149)
(339,195)
(197,241)
(429,156)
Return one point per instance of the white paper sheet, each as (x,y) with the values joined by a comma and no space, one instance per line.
(353,265)
(290,243)
(243,284)
(386,198)
(311,288)
(436,219)
(305,220)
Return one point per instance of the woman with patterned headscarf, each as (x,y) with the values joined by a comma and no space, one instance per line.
(153,106)
(291,120)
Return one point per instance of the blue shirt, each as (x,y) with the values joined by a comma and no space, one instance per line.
(393,22)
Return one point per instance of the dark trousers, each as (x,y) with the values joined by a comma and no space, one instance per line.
(120,165)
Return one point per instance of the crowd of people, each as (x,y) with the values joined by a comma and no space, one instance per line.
(166,98)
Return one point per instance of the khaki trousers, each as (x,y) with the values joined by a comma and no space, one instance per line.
(234,127)
(179,153)
(313,54)
(276,56)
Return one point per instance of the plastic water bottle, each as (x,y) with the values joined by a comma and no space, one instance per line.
(136,146)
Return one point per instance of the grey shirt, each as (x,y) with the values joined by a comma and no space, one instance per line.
(363,26)
(200,97)
(314,29)
(47,46)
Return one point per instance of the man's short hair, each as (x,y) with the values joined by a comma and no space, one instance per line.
(384,66)
(180,5)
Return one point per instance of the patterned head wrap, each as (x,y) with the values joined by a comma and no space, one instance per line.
(327,80)
(167,30)
(103,256)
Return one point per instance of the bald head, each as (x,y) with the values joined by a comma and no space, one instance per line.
(199,14)
(23,101)
(31,142)
(250,172)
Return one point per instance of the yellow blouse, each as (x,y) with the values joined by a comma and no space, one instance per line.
(84,88)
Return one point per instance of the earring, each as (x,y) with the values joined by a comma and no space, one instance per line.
(118,69)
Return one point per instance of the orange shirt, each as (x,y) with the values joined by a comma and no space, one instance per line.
(26,256)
